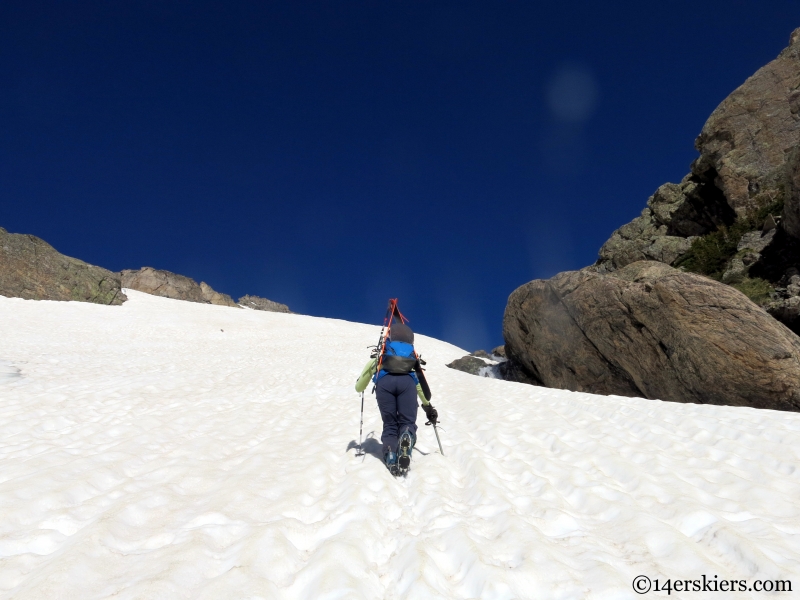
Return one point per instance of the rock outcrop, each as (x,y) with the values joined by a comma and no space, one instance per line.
(499,351)
(171,285)
(213,297)
(493,364)
(736,216)
(483,364)
(162,283)
(652,331)
(258,303)
(746,141)
(791,211)
(674,217)
(31,268)
(469,364)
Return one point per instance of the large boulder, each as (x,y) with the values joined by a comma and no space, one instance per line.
(171,285)
(652,331)
(31,268)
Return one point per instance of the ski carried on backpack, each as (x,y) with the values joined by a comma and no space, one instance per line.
(391,312)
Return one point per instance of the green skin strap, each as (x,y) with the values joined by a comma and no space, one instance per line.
(369,371)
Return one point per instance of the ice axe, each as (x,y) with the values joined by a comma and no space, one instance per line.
(436,431)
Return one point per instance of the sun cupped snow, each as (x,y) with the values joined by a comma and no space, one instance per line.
(165,449)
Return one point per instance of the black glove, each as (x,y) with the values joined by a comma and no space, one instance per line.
(431,413)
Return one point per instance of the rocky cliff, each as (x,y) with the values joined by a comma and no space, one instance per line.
(162,283)
(717,328)
(31,268)
(736,216)
(171,285)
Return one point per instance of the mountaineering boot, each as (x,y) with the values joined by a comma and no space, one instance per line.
(390,458)
(407,441)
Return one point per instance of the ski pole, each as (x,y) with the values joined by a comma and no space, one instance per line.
(361,427)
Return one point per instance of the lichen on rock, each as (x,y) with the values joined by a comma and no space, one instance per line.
(736,216)
(171,285)
(31,268)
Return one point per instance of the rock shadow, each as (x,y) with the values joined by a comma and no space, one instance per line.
(8,372)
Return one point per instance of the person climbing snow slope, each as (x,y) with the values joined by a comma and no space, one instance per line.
(397,388)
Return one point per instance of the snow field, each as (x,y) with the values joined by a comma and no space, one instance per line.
(165,449)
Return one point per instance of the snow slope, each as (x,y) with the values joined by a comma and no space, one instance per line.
(164,449)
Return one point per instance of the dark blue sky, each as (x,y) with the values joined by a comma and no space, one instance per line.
(333,154)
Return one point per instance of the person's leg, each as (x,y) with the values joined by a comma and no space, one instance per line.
(406,420)
(387,405)
(406,405)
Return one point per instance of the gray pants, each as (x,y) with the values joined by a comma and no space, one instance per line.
(397,401)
